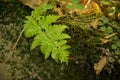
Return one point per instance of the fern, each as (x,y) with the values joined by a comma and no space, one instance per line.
(50,38)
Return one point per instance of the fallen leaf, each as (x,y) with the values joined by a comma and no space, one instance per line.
(109,36)
(97,9)
(94,23)
(119,16)
(83,1)
(33,3)
(98,67)
(59,11)
(104,40)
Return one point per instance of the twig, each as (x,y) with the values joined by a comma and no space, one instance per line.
(11,52)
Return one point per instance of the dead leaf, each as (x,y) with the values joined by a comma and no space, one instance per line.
(109,36)
(59,11)
(83,1)
(119,16)
(98,67)
(94,23)
(92,6)
(97,9)
(104,40)
(33,3)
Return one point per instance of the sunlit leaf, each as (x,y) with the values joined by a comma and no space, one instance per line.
(95,23)
(33,3)
(110,35)
(119,15)
(98,67)
(104,40)
(97,9)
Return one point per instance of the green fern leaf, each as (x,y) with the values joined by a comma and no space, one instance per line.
(50,38)
(55,53)
(37,42)
(46,50)
(44,21)
(64,36)
(64,56)
(31,27)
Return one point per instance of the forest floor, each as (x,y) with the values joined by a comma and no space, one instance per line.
(23,64)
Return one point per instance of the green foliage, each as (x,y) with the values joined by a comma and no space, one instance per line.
(48,36)
(108,28)
(75,4)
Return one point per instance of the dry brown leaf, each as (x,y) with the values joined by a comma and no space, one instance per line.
(92,6)
(98,67)
(83,1)
(109,36)
(104,40)
(59,11)
(97,9)
(94,23)
(33,3)
(89,6)
(119,16)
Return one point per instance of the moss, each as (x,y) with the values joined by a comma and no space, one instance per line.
(13,12)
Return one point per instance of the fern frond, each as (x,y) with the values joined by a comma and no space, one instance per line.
(50,38)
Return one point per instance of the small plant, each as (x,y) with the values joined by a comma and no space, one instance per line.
(48,36)
(110,31)
(75,4)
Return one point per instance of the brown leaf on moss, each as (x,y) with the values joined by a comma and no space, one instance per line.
(98,67)
(104,40)
(59,11)
(109,36)
(83,1)
(94,23)
(119,16)
(33,3)
(97,9)
(92,6)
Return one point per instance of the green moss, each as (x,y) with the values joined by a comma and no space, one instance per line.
(13,12)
